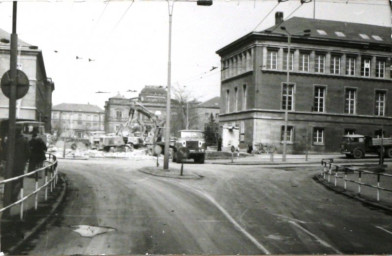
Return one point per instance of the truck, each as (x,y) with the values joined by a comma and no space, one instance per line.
(356,146)
(195,143)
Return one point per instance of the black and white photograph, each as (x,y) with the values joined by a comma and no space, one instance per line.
(195,127)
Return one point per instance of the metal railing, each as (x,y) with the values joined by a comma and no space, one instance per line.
(347,173)
(50,181)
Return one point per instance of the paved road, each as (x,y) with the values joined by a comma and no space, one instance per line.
(232,210)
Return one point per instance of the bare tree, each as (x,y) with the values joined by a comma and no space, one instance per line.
(186,112)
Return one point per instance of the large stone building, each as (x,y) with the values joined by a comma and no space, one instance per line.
(117,108)
(77,120)
(37,103)
(339,83)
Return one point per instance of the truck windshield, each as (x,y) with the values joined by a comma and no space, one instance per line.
(191,134)
(346,140)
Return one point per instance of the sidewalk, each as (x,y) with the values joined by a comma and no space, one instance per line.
(14,231)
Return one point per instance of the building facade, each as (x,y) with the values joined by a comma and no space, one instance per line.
(336,81)
(204,111)
(37,103)
(77,120)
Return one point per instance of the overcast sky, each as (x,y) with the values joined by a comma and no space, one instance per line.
(128,42)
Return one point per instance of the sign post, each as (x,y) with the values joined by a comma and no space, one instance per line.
(183,154)
(157,151)
(11,109)
(232,153)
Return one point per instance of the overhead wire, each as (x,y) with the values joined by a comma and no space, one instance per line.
(266,16)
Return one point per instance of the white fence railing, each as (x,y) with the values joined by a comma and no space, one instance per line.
(361,175)
(50,174)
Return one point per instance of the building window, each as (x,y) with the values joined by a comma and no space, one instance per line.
(272,59)
(350,66)
(319,99)
(291,60)
(350,101)
(365,67)
(287,96)
(349,131)
(318,136)
(118,114)
(227,101)
(245,96)
(380,103)
(79,116)
(319,63)
(236,99)
(80,122)
(380,68)
(335,65)
(289,135)
(304,62)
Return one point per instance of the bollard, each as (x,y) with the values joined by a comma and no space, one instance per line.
(345,180)
(336,178)
(182,168)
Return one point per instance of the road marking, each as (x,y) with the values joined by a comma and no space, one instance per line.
(290,219)
(228,216)
(315,237)
(385,230)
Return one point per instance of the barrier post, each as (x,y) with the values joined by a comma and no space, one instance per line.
(345,180)
(359,182)
(21,204)
(46,183)
(36,194)
(378,187)
(336,178)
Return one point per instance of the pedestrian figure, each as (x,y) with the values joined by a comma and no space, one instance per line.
(38,149)
(22,153)
(220,143)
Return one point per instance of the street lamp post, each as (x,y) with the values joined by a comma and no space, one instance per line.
(168,99)
(286,111)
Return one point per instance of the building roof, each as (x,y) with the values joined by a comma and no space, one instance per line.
(326,31)
(153,90)
(211,103)
(77,108)
(5,35)
(337,30)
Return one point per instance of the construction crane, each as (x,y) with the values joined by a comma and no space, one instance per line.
(145,137)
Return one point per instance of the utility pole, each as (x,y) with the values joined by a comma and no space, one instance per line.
(11,111)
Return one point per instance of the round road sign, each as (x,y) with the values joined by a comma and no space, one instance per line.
(157,149)
(22,84)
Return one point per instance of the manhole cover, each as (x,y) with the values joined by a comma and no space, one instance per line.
(91,231)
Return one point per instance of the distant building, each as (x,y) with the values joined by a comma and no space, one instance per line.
(77,120)
(37,103)
(117,108)
(340,83)
(204,111)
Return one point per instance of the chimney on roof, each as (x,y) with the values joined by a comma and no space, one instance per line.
(278,18)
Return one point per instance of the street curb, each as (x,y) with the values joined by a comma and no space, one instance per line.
(318,161)
(43,221)
(351,195)
(147,170)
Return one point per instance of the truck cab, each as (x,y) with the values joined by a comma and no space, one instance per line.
(354,145)
(194,142)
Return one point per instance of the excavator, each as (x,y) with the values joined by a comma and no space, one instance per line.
(136,133)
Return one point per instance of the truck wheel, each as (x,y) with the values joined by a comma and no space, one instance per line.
(388,152)
(358,153)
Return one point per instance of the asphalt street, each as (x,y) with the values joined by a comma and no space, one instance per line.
(231,210)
